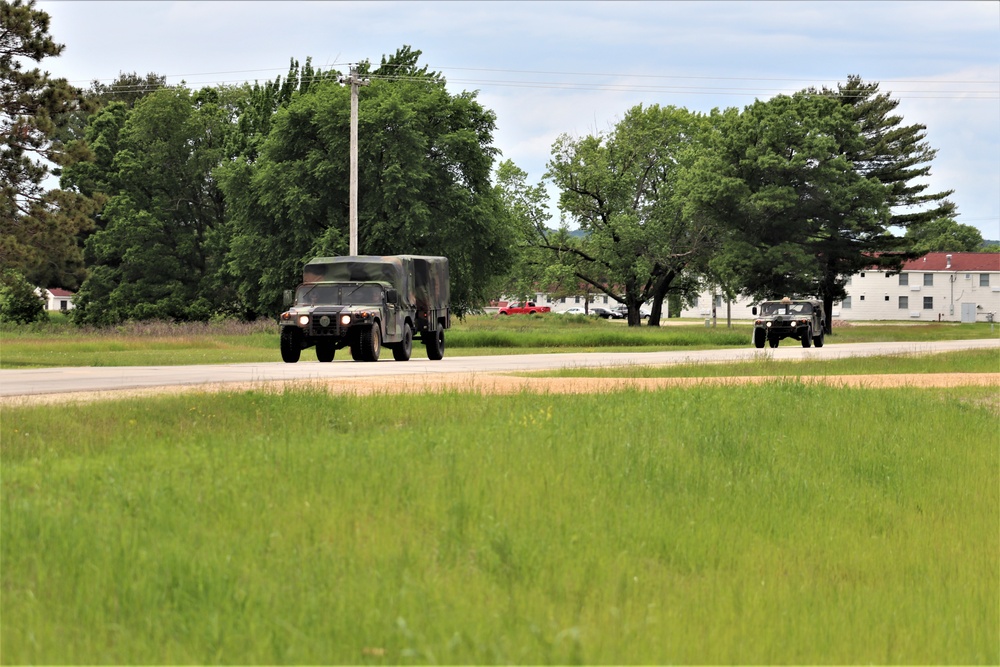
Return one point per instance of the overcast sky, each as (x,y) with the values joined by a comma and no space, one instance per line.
(547,68)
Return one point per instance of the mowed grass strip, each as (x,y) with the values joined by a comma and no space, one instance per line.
(966,361)
(171,344)
(780,523)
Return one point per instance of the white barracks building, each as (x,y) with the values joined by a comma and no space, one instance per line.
(940,286)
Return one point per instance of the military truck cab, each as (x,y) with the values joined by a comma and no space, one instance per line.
(802,320)
(367,302)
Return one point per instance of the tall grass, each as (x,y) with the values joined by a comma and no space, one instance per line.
(771,524)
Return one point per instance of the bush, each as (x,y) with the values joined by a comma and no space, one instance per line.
(19,303)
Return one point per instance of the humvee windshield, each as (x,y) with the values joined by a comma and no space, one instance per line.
(337,295)
(785,309)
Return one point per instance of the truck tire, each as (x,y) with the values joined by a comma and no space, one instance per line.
(325,349)
(773,341)
(291,344)
(818,340)
(370,343)
(402,351)
(759,337)
(435,344)
(807,338)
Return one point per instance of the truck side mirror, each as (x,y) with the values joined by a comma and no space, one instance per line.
(391,296)
(288,297)
(753,311)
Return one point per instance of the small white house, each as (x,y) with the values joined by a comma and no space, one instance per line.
(938,287)
(57,299)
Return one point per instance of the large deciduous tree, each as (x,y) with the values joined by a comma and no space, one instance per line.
(625,191)
(160,244)
(38,228)
(943,235)
(424,184)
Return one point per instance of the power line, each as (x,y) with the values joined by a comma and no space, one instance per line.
(987,94)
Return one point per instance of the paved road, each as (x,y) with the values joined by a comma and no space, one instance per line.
(67,380)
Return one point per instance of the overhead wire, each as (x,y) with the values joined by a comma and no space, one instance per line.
(940,90)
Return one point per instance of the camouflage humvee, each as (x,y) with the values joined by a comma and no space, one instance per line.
(363,302)
(803,320)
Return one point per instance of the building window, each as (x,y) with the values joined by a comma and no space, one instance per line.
(694,303)
(605,300)
(886,297)
(849,278)
(862,274)
(904,279)
(63,305)
(846,303)
(577,299)
(862,297)
(904,303)
(928,280)
(984,280)
(718,301)
(562,300)
(928,303)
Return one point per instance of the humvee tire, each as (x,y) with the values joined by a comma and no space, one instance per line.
(818,340)
(291,344)
(807,339)
(370,343)
(325,350)
(402,351)
(435,345)
(759,338)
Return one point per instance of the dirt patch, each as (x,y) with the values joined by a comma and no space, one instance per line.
(509,384)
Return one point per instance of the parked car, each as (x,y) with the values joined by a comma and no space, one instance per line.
(603,313)
(621,312)
(575,310)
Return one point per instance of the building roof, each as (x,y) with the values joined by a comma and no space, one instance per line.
(970,262)
(58,291)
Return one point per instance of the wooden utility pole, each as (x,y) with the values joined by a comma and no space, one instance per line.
(355,82)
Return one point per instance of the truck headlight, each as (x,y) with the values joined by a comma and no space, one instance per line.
(303,320)
(345,319)
(768,325)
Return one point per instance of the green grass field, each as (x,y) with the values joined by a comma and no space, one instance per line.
(164,344)
(781,523)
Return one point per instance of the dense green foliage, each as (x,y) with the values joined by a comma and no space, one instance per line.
(302,528)
(19,304)
(160,245)
(945,235)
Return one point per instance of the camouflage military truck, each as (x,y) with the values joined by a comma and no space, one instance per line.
(366,302)
(803,320)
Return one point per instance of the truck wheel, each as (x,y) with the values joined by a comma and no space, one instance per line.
(356,351)
(291,344)
(370,343)
(325,350)
(772,342)
(435,345)
(807,338)
(818,340)
(402,351)
(759,336)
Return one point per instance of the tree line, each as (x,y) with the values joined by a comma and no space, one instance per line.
(187,204)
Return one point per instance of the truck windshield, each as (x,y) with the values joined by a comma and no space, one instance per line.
(785,308)
(338,294)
